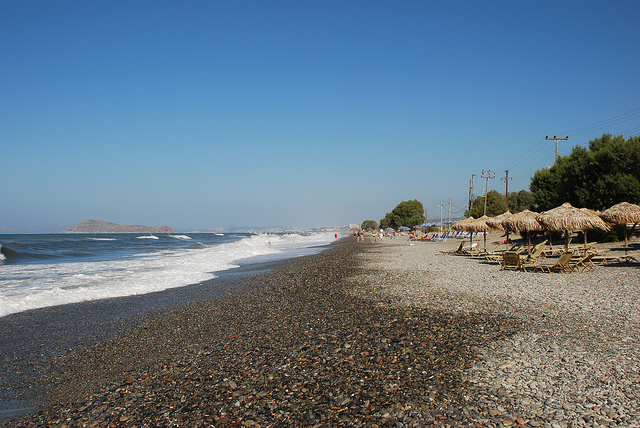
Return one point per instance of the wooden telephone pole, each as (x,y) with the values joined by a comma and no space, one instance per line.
(489,174)
(471,189)
(556,139)
(506,179)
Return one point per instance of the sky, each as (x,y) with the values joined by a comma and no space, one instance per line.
(209,114)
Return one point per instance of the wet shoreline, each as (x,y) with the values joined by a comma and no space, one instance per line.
(30,340)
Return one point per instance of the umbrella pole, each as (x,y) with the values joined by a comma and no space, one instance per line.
(485,242)
(625,239)
(566,240)
(529,235)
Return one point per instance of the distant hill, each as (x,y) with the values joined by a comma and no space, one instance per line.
(99,226)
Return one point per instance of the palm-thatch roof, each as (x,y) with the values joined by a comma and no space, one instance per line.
(624,212)
(567,217)
(524,221)
(481,225)
(463,225)
(496,222)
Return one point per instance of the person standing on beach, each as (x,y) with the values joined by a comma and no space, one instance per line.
(381,235)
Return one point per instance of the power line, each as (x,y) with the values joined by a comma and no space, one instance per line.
(537,157)
(621,118)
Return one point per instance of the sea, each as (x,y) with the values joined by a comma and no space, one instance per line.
(38,271)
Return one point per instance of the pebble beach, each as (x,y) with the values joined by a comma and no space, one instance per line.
(368,334)
(575,358)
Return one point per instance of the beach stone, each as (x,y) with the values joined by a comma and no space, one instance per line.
(364,334)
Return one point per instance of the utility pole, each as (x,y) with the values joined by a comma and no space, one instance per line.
(556,139)
(471,189)
(440,210)
(449,218)
(506,179)
(489,174)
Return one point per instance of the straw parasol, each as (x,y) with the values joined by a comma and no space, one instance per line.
(464,226)
(524,221)
(496,223)
(481,225)
(567,217)
(622,213)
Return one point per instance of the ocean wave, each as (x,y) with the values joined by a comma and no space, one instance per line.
(183,237)
(147,237)
(29,286)
(8,254)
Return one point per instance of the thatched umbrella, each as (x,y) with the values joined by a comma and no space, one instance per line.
(622,213)
(496,223)
(481,225)
(524,221)
(464,226)
(567,217)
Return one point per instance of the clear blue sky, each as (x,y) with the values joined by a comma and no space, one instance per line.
(202,114)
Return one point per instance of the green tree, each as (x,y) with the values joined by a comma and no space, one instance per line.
(406,213)
(496,205)
(598,177)
(369,225)
(520,201)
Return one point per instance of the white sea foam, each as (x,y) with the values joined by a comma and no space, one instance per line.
(148,237)
(31,286)
(185,237)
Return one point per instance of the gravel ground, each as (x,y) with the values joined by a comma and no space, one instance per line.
(387,334)
(575,363)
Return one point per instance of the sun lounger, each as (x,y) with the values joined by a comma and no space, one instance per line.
(510,261)
(494,250)
(470,251)
(633,255)
(601,259)
(537,254)
(582,264)
(559,266)
(453,251)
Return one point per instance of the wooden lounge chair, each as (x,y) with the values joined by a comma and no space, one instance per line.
(537,254)
(621,258)
(471,250)
(494,251)
(453,251)
(559,266)
(633,255)
(582,264)
(510,260)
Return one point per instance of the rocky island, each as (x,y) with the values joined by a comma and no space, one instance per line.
(99,226)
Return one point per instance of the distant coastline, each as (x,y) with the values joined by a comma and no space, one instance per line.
(99,226)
